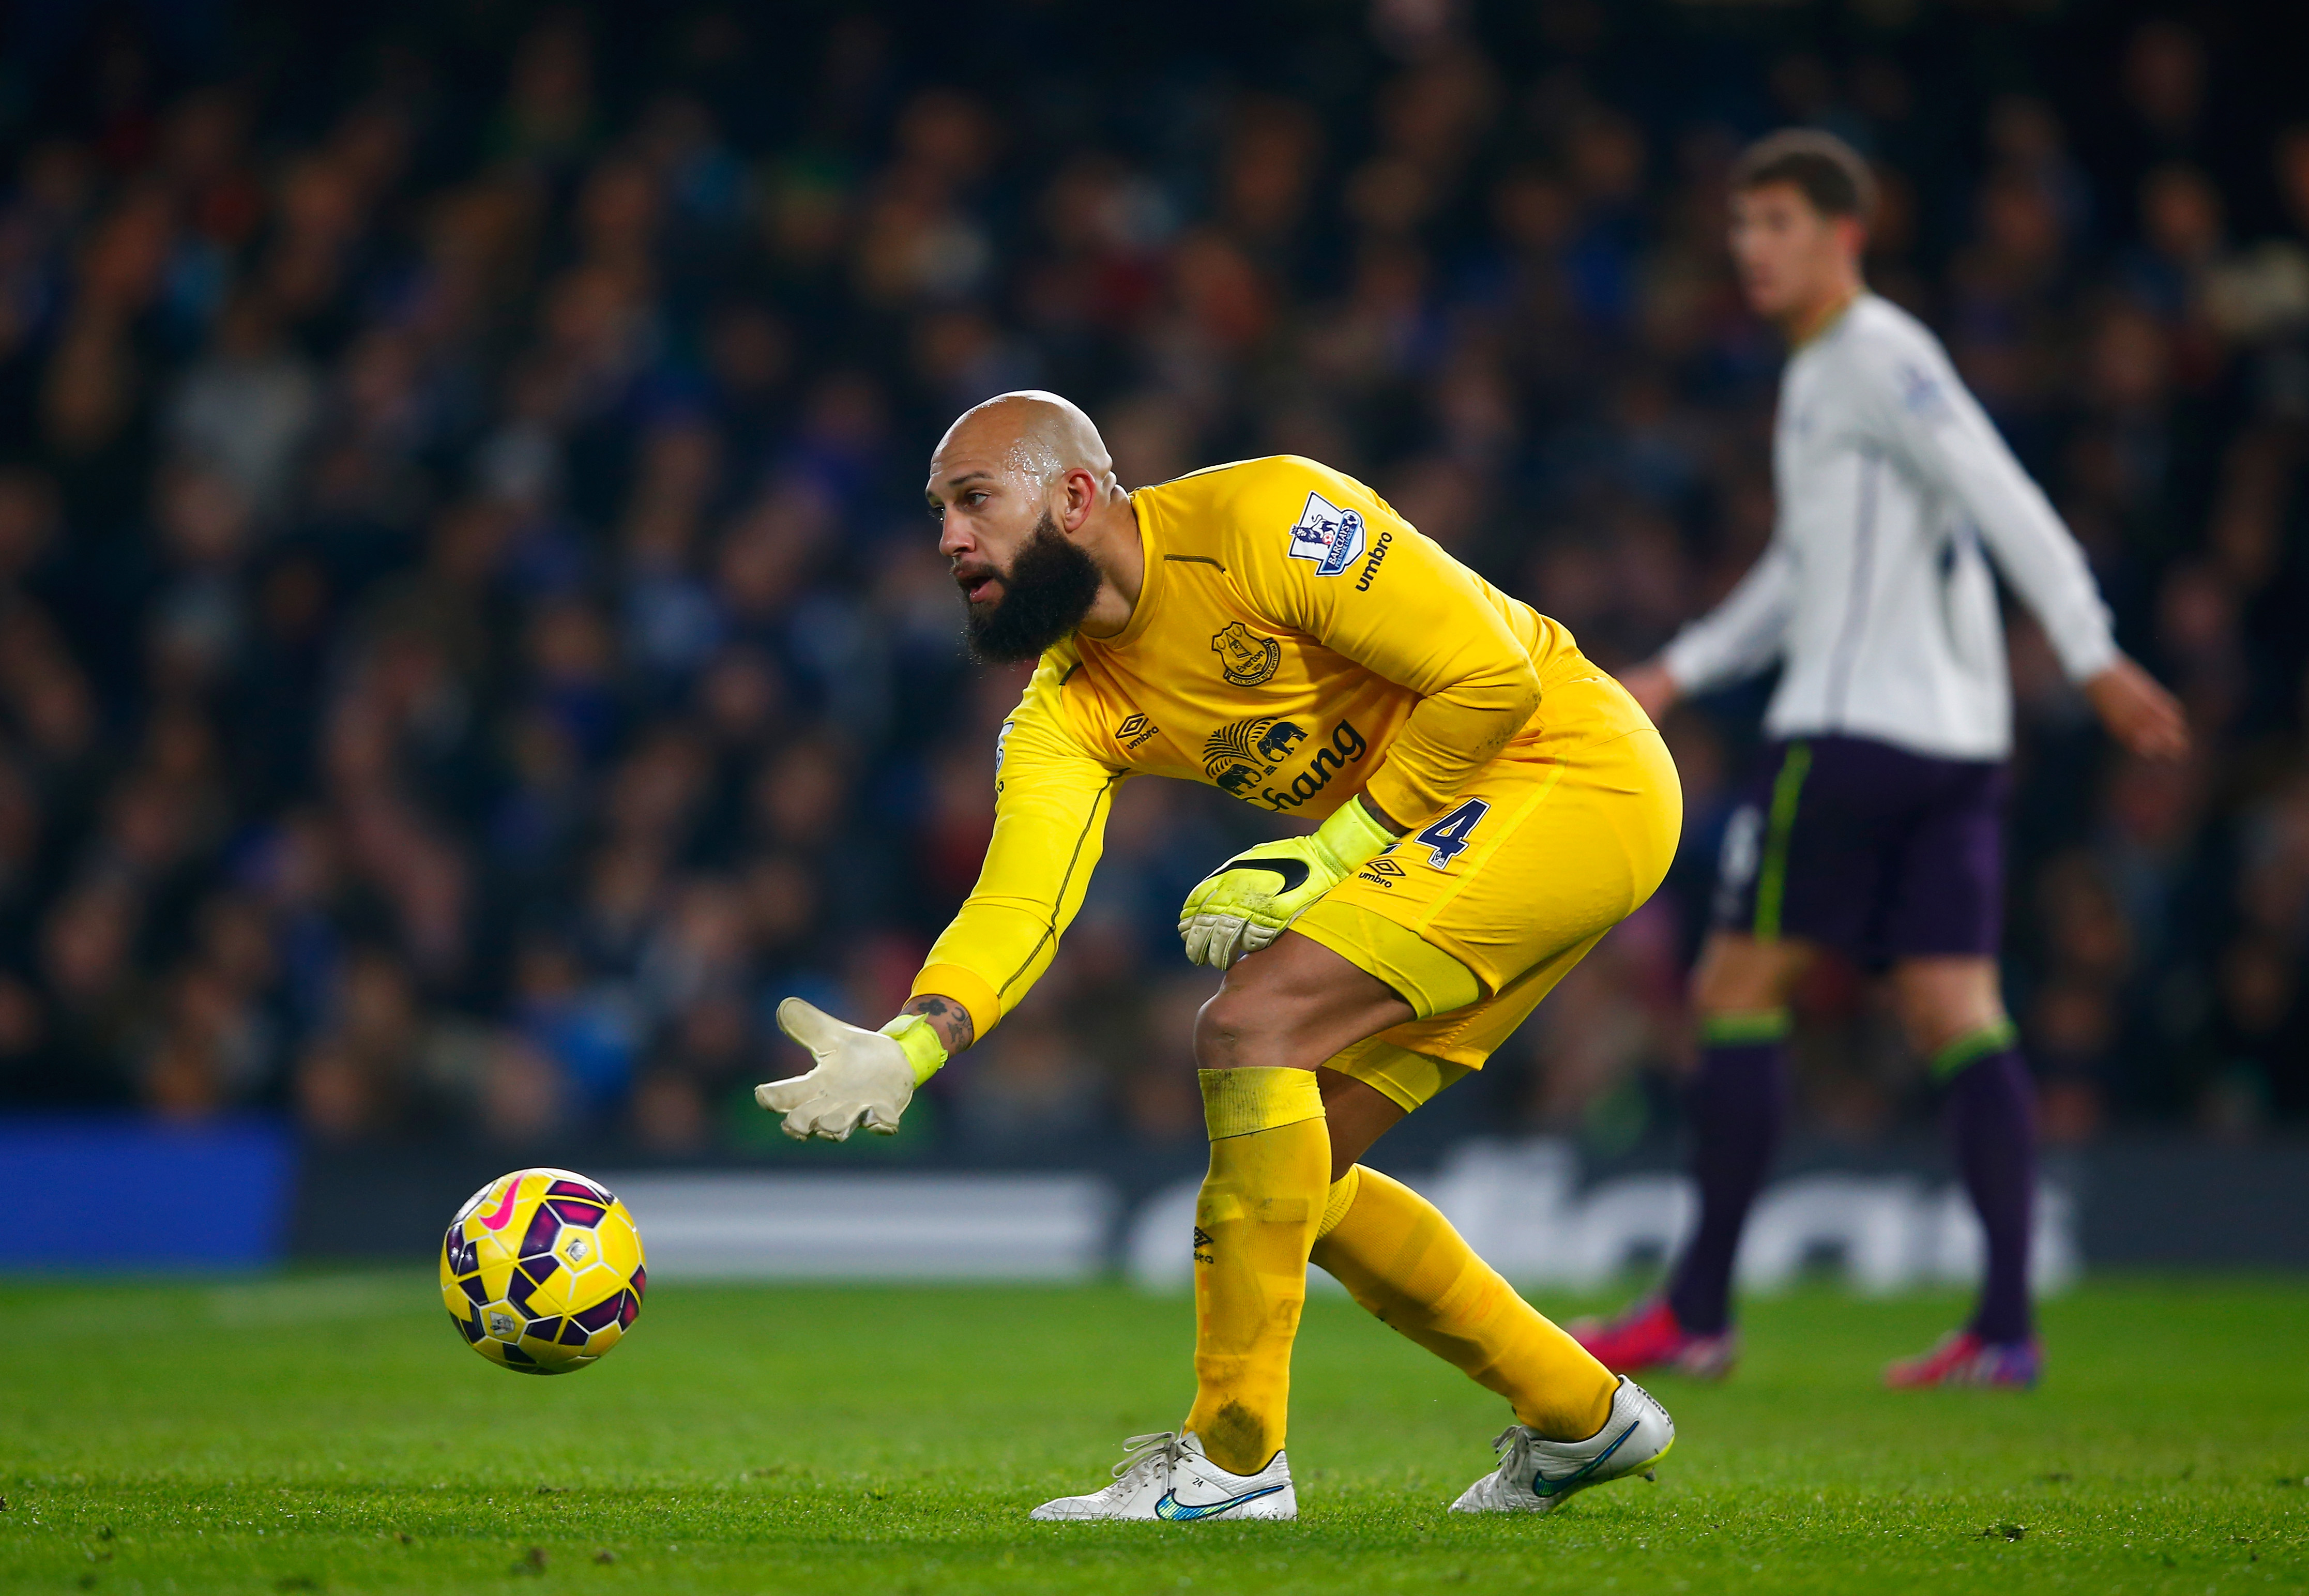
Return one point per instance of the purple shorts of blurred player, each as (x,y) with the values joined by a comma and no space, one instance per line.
(1867,848)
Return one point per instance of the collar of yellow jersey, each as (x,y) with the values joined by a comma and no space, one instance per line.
(1150,581)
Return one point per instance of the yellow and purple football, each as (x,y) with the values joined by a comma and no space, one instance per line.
(542,1270)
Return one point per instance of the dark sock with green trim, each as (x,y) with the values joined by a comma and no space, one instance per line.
(1738,1104)
(1991,1119)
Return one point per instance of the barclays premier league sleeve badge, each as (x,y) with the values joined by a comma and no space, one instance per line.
(1327,535)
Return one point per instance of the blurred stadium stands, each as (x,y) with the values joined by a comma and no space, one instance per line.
(469,642)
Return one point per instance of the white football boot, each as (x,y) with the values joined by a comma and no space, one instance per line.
(1165,1476)
(1535,1474)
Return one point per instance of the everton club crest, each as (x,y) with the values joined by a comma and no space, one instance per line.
(1245,658)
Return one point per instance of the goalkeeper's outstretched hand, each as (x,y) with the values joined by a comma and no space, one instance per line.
(862,1077)
(1247,902)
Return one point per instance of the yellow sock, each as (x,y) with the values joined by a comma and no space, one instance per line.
(1270,1164)
(1399,1257)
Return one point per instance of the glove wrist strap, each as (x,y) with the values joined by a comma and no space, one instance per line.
(1352,834)
(918,1039)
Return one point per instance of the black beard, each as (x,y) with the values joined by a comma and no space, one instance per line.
(1045,593)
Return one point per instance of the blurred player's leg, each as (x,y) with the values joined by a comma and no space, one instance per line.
(1953,1011)
(1738,1103)
(1739,1106)
(1399,1257)
(1991,1123)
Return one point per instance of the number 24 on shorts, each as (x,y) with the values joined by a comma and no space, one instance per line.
(1447,838)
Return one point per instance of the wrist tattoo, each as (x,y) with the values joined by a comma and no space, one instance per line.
(948,1018)
(1378,814)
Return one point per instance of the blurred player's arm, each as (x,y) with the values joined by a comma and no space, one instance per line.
(1741,635)
(1930,421)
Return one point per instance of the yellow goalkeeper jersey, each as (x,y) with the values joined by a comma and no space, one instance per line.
(1295,643)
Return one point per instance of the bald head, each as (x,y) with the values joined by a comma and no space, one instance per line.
(1036,433)
(1041,537)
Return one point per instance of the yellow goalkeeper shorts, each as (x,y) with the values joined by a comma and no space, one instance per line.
(1476,914)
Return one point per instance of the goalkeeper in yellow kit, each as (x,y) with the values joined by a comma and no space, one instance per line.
(1491,803)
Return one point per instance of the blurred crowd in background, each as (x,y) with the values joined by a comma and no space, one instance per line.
(470,642)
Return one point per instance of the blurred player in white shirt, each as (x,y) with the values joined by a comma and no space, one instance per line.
(1875,825)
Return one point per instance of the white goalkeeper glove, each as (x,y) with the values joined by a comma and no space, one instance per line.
(1247,902)
(862,1077)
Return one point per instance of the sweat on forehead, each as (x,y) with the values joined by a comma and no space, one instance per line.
(1036,433)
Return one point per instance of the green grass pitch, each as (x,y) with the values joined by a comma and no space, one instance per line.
(331,1433)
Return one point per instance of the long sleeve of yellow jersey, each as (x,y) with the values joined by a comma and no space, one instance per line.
(1052,800)
(1421,619)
